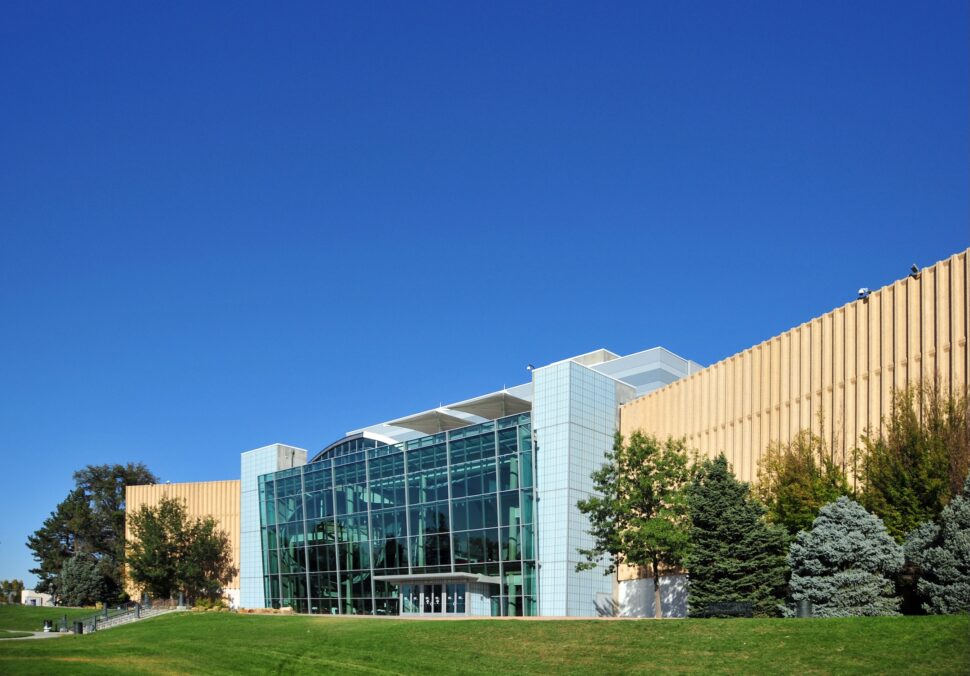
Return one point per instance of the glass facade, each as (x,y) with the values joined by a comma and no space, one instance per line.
(345,446)
(456,503)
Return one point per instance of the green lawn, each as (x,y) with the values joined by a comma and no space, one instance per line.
(31,618)
(13,634)
(222,643)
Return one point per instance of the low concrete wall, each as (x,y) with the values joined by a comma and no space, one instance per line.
(636,597)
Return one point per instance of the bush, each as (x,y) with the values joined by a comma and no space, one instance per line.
(846,563)
(210,604)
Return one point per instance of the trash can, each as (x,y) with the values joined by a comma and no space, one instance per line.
(79,627)
(48,625)
(804,608)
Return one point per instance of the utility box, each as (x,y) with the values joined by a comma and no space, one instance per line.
(803,608)
(79,627)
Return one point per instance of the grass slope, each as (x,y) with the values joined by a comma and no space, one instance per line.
(31,618)
(13,634)
(228,643)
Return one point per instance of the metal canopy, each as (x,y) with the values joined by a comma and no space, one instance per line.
(437,577)
(431,422)
(492,406)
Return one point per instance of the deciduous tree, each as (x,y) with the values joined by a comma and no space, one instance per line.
(638,515)
(170,552)
(10,589)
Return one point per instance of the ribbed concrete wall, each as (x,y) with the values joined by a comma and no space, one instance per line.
(218,499)
(843,365)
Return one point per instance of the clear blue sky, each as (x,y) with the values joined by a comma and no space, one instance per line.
(230,224)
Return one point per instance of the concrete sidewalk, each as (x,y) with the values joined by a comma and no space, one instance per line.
(36,635)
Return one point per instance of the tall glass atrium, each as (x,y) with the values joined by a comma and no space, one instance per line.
(439,524)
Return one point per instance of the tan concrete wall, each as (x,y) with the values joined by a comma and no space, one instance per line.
(843,365)
(218,499)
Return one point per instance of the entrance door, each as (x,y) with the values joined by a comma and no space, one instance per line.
(455,598)
(432,599)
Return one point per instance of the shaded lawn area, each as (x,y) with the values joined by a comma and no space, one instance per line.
(13,634)
(31,618)
(220,643)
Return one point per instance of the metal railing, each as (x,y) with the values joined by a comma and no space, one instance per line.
(90,623)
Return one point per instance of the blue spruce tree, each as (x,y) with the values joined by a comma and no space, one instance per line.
(846,563)
(941,553)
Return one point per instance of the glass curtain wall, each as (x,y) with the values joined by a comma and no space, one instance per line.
(456,502)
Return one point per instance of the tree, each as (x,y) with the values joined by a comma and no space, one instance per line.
(910,472)
(846,563)
(735,554)
(639,513)
(171,552)
(796,479)
(941,554)
(62,536)
(90,521)
(80,583)
(11,589)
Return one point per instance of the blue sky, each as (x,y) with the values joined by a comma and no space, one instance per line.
(224,225)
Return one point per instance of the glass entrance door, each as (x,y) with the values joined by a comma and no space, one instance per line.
(432,599)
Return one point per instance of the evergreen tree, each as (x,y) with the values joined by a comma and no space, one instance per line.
(846,563)
(796,479)
(89,522)
(735,554)
(62,536)
(80,582)
(638,515)
(941,554)
(910,473)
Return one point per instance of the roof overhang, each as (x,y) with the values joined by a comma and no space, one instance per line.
(431,422)
(418,578)
(493,406)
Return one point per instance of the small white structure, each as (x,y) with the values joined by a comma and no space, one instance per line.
(29,597)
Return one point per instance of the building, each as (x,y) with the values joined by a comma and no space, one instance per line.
(470,508)
(29,597)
